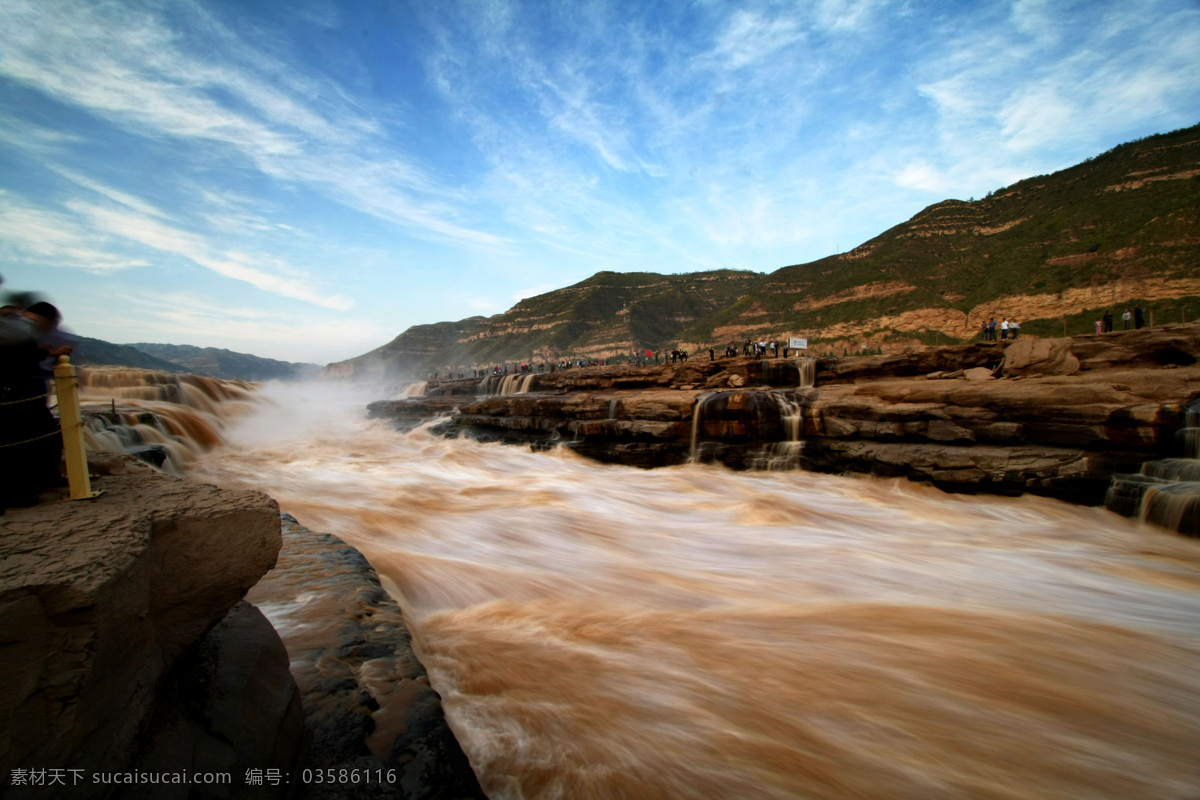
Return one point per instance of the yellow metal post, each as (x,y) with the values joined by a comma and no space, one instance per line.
(66,386)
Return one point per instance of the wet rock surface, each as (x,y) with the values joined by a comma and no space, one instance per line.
(366,698)
(1051,416)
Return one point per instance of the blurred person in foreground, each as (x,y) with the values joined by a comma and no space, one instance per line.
(30,441)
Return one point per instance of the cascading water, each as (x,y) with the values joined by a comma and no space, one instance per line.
(516,383)
(415,389)
(697,418)
(1166,492)
(599,631)
(785,454)
(178,416)
(807,367)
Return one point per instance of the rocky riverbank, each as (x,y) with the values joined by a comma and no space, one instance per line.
(133,664)
(1051,416)
(128,652)
(366,698)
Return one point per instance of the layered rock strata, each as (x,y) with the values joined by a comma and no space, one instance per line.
(1053,416)
(126,648)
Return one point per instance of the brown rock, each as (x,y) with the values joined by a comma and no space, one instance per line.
(1033,356)
(98,600)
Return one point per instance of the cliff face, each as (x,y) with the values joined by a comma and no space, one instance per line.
(1051,416)
(1054,251)
(126,647)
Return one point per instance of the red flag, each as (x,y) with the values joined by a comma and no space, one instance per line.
(649,354)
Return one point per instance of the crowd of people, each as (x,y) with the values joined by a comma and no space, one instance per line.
(991,330)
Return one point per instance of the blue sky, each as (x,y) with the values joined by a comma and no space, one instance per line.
(306,179)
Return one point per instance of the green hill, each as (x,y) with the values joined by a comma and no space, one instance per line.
(1053,251)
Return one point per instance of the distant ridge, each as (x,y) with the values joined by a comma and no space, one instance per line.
(209,361)
(1053,251)
(220,363)
(97,352)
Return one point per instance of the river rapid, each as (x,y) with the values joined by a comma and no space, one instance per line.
(599,631)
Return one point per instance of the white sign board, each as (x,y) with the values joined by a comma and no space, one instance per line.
(798,344)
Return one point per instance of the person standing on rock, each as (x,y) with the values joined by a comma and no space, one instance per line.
(1107,320)
(1126,318)
(1013,329)
(1004,328)
(1139,317)
(30,442)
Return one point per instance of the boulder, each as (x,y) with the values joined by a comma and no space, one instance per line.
(101,598)
(1034,356)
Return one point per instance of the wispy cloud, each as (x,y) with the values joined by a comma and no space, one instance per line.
(242,267)
(125,65)
(49,238)
(1048,81)
(750,37)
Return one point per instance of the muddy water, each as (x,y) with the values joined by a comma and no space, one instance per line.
(599,631)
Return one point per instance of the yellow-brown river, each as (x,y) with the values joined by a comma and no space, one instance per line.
(606,632)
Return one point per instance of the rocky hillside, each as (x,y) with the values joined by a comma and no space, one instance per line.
(1054,251)
(1119,230)
(610,314)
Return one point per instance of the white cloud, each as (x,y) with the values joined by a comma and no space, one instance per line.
(126,66)
(127,200)
(151,233)
(750,38)
(923,176)
(29,233)
(1037,115)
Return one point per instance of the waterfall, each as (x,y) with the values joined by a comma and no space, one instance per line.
(807,367)
(516,383)
(415,389)
(697,415)
(614,405)
(163,418)
(784,454)
(1165,492)
(488,385)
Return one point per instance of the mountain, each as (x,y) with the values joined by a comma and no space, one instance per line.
(606,315)
(185,358)
(1053,251)
(95,352)
(219,363)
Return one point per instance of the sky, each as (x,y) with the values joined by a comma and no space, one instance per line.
(304,180)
